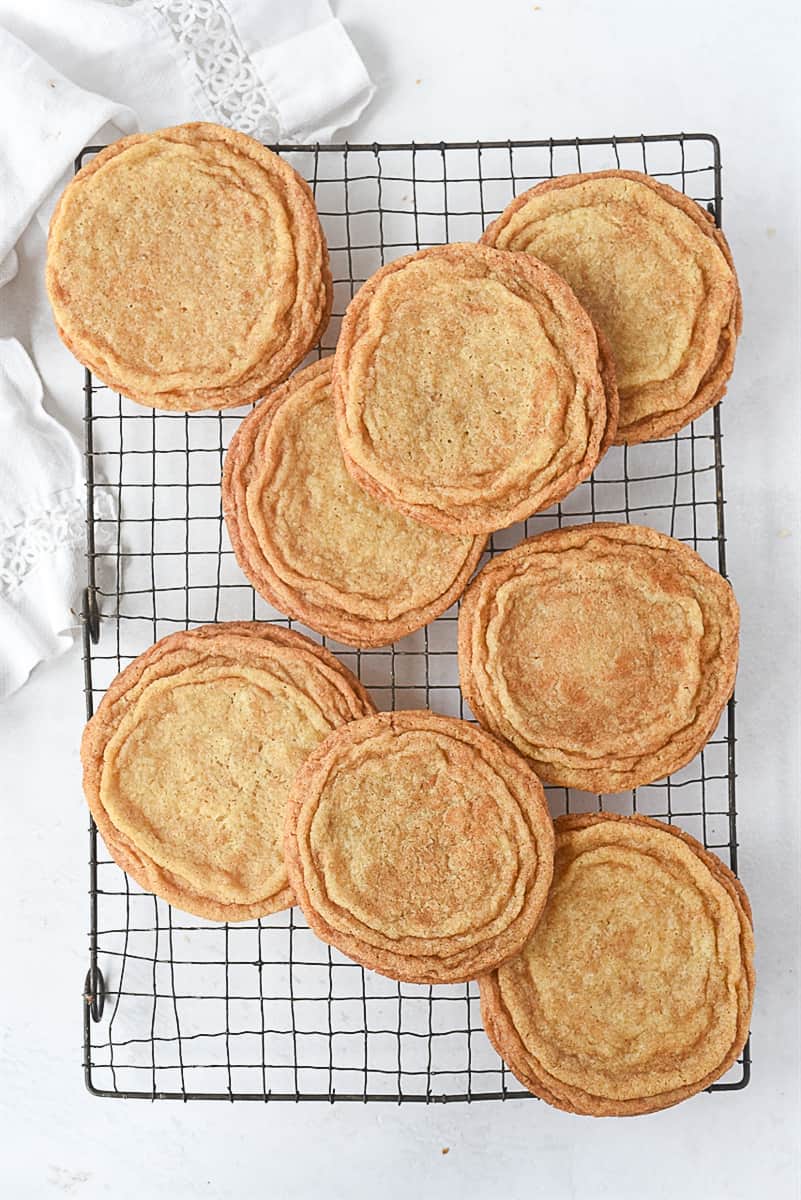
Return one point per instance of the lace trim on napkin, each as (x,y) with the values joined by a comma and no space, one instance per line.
(22,546)
(204,31)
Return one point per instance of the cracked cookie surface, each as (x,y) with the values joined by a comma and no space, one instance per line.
(471,389)
(419,846)
(190,757)
(604,653)
(635,990)
(187,268)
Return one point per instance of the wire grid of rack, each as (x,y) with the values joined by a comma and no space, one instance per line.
(177,1007)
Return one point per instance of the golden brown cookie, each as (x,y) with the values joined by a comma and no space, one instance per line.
(190,757)
(420,846)
(470,388)
(187,268)
(604,653)
(635,990)
(653,272)
(318,546)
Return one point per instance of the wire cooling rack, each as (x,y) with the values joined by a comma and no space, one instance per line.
(180,1008)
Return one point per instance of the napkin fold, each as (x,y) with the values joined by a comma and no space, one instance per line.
(41,523)
(83,71)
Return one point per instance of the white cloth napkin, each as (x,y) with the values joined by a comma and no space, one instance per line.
(75,72)
(41,523)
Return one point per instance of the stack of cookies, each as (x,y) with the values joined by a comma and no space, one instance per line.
(237,769)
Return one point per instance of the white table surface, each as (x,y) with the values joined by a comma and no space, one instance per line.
(466,69)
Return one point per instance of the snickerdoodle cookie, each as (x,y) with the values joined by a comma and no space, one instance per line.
(314,543)
(190,757)
(187,267)
(653,272)
(635,990)
(420,846)
(470,388)
(605,653)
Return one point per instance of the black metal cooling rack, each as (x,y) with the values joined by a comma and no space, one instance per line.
(180,1008)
